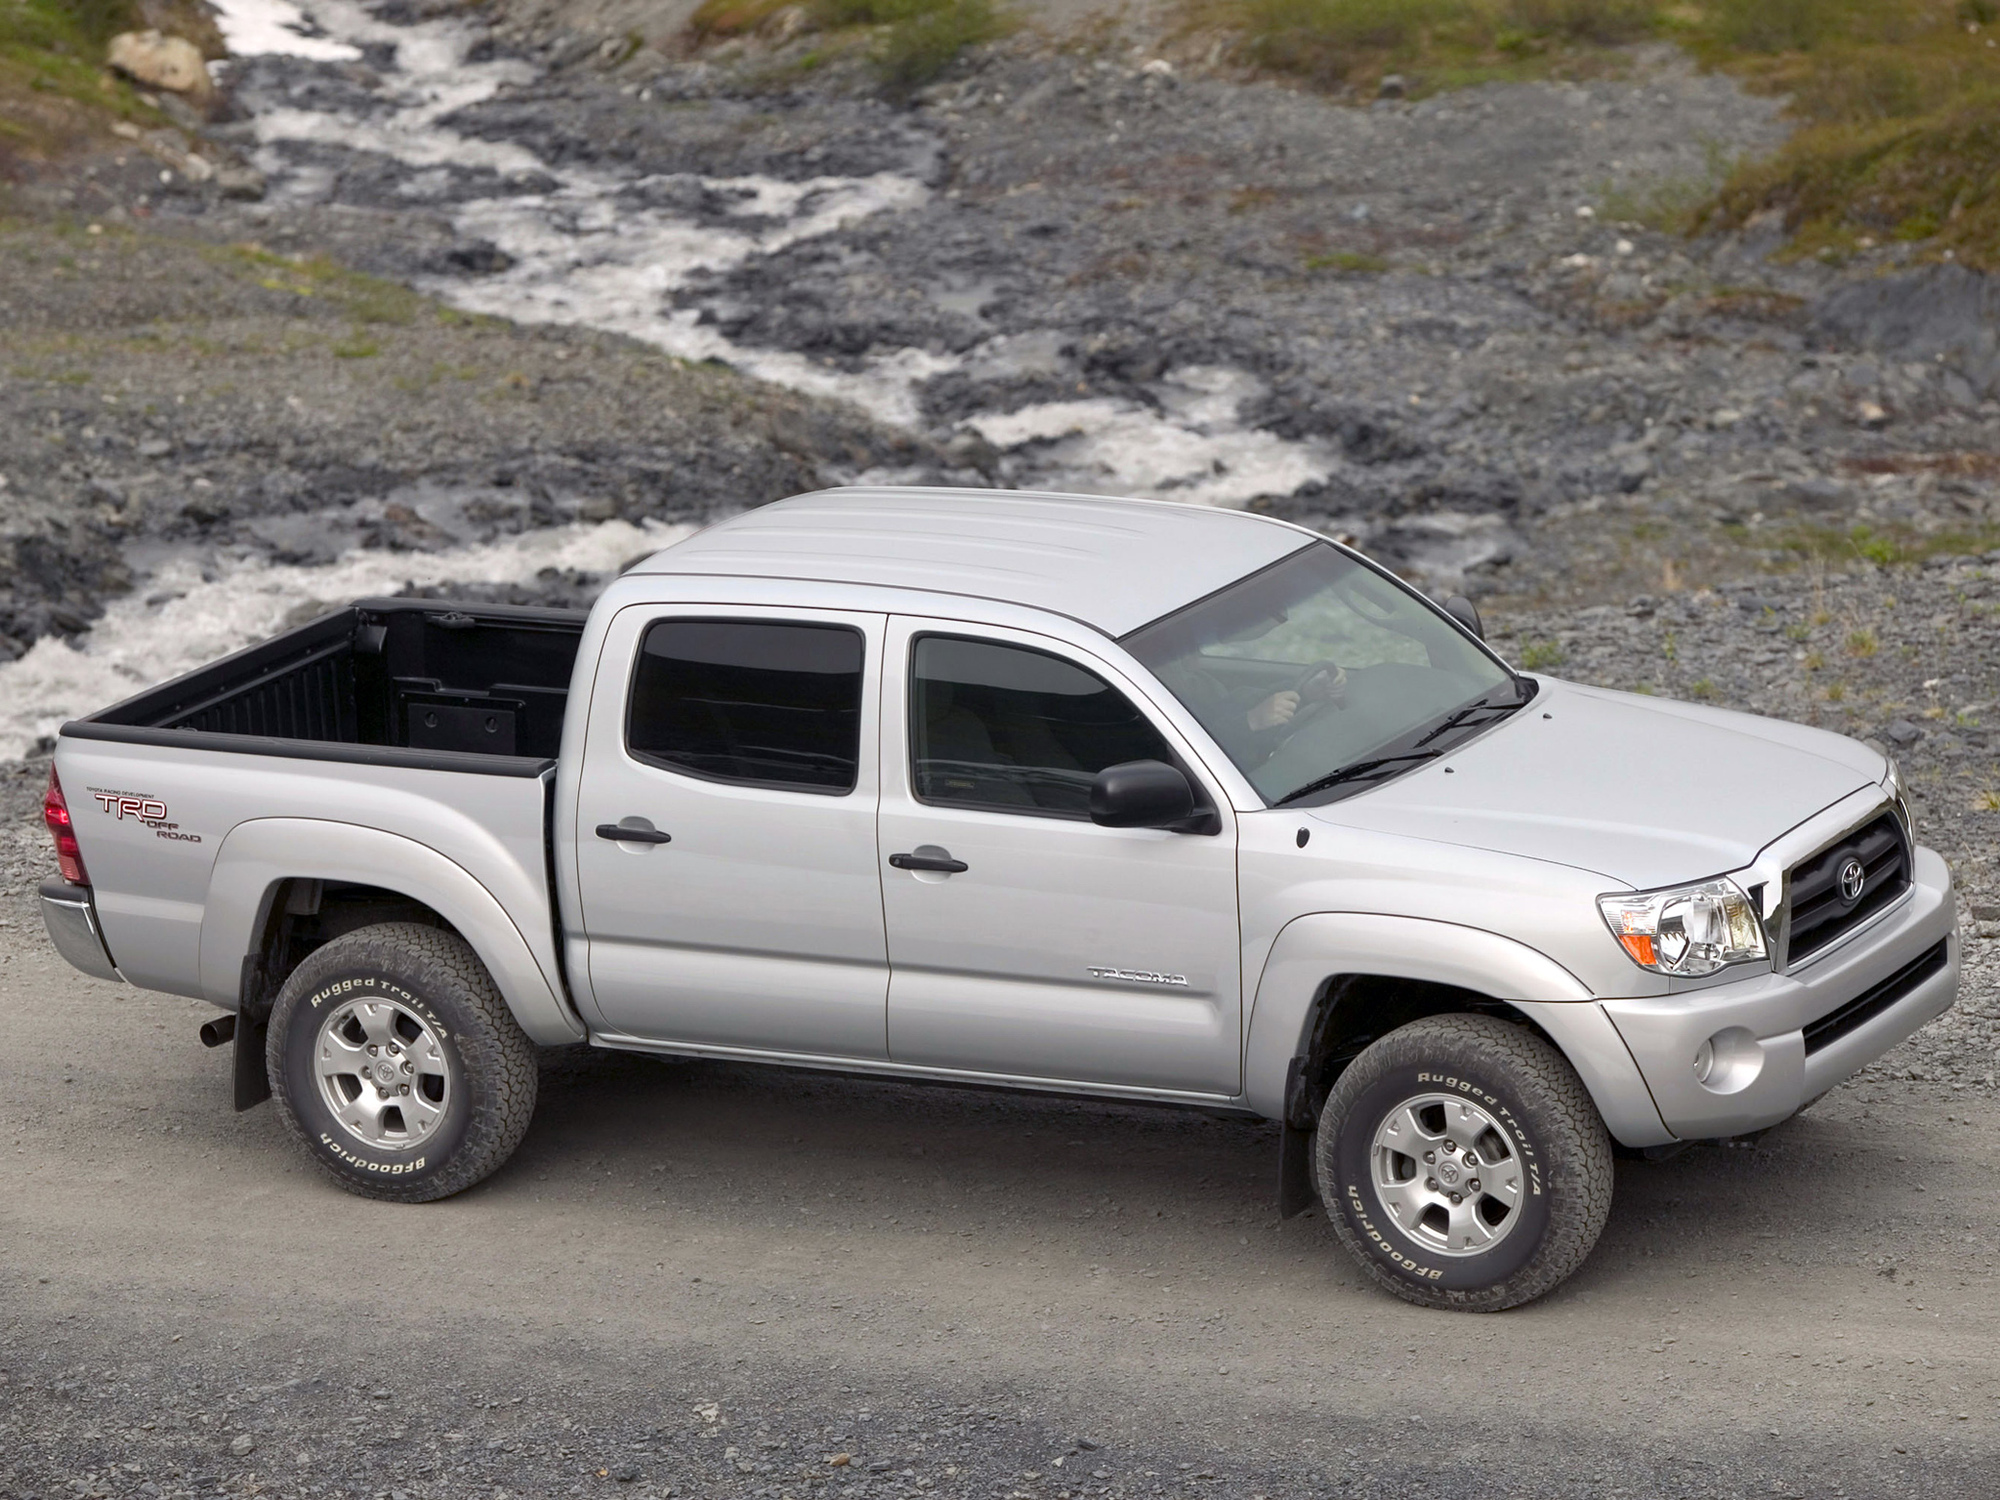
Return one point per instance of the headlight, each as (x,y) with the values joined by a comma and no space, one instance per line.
(1695,929)
(1892,779)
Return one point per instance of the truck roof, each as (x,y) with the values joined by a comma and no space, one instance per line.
(1115,564)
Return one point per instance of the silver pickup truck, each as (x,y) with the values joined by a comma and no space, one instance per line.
(1109,797)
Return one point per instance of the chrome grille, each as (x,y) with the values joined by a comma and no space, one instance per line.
(1821,910)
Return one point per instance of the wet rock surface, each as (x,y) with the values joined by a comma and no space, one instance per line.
(171,397)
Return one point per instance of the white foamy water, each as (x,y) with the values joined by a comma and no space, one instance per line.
(213,610)
(260,27)
(1195,448)
(586,253)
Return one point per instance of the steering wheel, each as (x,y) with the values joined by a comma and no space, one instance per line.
(1311,711)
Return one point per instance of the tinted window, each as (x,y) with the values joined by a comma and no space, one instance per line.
(749,700)
(1007,727)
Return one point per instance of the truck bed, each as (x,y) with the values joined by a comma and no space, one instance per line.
(423,682)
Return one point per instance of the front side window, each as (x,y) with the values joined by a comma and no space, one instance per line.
(766,703)
(1319,668)
(1015,729)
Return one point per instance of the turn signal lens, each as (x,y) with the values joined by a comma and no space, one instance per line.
(1687,931)
(55,813)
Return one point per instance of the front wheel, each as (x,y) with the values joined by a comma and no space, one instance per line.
(397,1066)
(1463,1164)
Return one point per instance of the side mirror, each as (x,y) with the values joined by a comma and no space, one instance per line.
(1466,613)
(1141,794)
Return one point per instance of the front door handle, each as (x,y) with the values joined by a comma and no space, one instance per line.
(941,862)
(633,835)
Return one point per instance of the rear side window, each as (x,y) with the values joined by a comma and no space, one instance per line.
(760,702)
(1016,730)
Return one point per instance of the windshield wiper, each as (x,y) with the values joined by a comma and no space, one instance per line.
(1361,770)
(1454,719)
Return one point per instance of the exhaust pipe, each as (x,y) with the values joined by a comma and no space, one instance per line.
(218,1033)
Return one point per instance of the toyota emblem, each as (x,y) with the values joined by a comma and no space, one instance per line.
(1853,877)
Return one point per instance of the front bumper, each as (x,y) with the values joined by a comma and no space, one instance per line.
(71,918)
(1768,1068)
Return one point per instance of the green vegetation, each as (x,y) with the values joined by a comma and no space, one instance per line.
(910,42)
(1535,655)
(1348,263)
(365,299)
(52,79)
(54,90)
(1441,42)
(1898,101)
(1885,546)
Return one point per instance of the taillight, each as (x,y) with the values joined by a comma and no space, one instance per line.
(55,813)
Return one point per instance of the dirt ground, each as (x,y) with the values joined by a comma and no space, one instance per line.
(708,1280)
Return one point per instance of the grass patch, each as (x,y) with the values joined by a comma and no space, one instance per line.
(911,42)
(55,92)
(1349,43)
(1884,546)
(1536,655)
(1348,263)
(365,299)
(1899,109)
(1898,101)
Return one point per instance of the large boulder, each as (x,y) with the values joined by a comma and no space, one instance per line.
(1943,314)
(161,62)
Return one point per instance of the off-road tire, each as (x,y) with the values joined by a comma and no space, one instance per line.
(490,1062)
(1528,1088)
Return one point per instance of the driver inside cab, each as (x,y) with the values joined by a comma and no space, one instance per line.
(1251,731)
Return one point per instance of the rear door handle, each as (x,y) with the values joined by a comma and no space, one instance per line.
(633,835)
(944,864)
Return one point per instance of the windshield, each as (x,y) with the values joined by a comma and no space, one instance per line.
(1320,665)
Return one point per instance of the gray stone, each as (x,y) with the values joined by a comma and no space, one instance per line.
(1634,471)
(1946,310)
(244,184)
(1903,732)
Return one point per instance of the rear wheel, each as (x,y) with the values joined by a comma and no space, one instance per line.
(1463,1163)
(397,1066)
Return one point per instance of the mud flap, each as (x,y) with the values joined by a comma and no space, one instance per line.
(253,1079)
(1296,1193)
(1295,1182)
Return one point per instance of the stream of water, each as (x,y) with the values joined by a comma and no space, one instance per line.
(601,248)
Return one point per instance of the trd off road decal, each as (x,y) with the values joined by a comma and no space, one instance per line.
(150,812)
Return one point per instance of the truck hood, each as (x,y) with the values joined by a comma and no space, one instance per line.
(1644,791)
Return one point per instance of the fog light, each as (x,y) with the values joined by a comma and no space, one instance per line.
(1729,1061)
